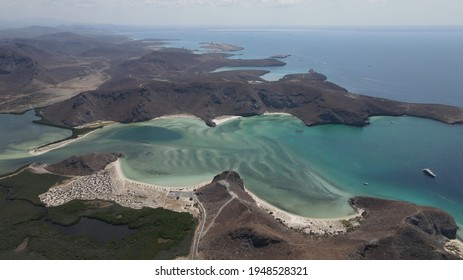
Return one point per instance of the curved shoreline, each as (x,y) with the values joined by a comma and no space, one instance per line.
(319,226)
(99,124)
(53,146)
(223,119)
(66,141)
(216,121)
(111,184)
(177,116)
(292,220)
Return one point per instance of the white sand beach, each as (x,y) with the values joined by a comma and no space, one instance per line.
(276,113)
(226,118)
(223,119)
(57,145)
(183,116)
(311,225)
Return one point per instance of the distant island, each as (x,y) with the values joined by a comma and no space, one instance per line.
(83,82)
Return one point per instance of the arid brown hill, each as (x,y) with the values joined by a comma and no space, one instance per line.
(83,165)
(18,68)
(308,97)
(236,228)
(124,80)
(36,71)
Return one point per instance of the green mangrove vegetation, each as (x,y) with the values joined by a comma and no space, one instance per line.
(30,230)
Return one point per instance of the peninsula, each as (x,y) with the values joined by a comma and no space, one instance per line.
(173,81)
(79,80)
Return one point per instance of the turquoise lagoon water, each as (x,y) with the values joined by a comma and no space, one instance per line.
(18,134)
(310,171)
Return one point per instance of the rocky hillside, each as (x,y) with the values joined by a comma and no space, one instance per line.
(308,97)
(236,228)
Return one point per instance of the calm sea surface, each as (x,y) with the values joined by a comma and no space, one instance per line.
(311,171)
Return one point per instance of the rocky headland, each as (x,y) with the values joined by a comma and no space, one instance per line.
(235,227)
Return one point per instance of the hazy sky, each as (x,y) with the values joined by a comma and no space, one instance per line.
(239,12)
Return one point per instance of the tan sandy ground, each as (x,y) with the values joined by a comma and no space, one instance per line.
(50,94)
(72,87)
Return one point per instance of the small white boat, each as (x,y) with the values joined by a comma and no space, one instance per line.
(429,172)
